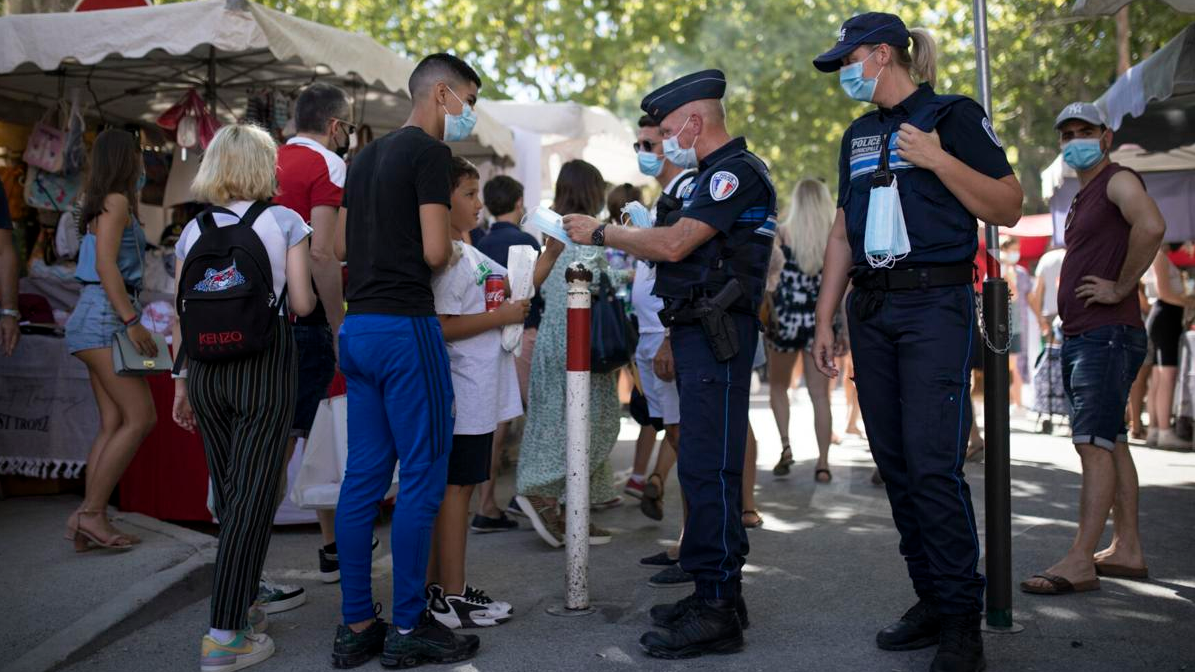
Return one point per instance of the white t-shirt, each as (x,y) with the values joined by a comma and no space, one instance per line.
(278,227)
(1049,270)
(484,381)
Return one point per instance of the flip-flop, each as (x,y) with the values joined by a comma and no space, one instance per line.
(758,519)
(1059,585)
(819,472)
(1121,571)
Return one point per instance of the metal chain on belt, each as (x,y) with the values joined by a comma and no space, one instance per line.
(983,327)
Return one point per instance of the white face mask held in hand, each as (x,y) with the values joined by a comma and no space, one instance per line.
(548,222)
(886,240)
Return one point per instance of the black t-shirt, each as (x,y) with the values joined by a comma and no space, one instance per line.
(387,183)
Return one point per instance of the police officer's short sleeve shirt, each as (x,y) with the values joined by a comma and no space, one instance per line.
(967,133)
(724,189)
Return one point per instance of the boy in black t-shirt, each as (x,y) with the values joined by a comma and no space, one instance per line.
(392,353)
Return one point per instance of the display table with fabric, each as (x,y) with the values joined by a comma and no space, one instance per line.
(48,416)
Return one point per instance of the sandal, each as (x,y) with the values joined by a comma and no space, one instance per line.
(1121,571)
(818,472)
(758,522)
(1059,585)
(651,504)
(786,462)
(86,540)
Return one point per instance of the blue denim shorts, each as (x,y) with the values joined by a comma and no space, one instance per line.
(317,366)
(94,321)
(1098,368)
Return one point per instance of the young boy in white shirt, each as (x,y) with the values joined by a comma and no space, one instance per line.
(486,388)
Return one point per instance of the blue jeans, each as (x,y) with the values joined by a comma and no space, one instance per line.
(400,410)
(1098,369)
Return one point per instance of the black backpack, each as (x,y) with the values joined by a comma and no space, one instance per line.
(226,304)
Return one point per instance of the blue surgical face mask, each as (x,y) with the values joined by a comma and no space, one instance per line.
(855,84)
(683,158)
(1082,153)
(638,213)
(651,164)
(457,127)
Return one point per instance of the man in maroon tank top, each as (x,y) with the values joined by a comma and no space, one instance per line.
(1113,231)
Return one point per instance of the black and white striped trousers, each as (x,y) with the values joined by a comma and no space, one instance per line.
(244,411)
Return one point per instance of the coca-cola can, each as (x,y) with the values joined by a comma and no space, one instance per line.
(495,291)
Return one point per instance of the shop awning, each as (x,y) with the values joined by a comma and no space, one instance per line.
(134,63)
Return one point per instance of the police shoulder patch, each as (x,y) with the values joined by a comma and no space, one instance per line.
(723,185)
(987,126)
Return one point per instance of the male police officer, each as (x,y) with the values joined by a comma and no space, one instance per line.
(717,250)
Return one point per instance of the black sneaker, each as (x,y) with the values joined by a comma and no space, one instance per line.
(708,626)
(356,648)
(484,524)
(660,559)
(667,615)
(917,629)
(429,642)
(670,577)
(961,645)
(513,508)
(329,561)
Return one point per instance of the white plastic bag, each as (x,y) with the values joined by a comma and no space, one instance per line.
(520,269)
(325,453)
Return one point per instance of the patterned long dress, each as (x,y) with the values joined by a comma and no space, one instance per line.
(542,456)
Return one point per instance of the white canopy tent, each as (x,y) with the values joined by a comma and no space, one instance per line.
(135,63)
(1151,111)
(549,134)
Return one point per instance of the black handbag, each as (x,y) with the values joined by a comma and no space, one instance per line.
(612,337)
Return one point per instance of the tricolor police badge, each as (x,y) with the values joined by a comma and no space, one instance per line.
(723,185)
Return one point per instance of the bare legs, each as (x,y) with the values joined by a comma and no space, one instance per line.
(1108,477)
(819,393)
(446,562)
(1137,396)
(750,513)
(780,376)
(853,415)
(487,500)
(127,416)
(644,446)
(1163,394)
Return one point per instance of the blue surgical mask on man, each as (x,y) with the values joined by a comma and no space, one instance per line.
(855,84)
(684,158)
(1082,153)
(457,127)
(651,164)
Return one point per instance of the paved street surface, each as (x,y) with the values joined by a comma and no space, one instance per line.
(823,575)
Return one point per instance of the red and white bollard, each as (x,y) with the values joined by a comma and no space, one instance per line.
(576,491)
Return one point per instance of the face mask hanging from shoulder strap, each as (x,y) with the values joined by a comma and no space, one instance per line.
(886,240)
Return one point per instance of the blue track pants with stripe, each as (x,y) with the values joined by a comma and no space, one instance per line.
(400,410)
(714,398)
(913,371)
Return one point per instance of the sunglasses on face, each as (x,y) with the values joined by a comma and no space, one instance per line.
(349,128)
(644,146)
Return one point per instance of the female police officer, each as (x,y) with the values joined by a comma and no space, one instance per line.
(912,311)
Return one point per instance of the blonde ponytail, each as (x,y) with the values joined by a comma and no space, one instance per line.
(924,61)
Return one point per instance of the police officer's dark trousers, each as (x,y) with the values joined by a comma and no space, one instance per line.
(714,399)
(912,357)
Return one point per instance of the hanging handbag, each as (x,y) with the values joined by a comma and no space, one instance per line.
(612,337)
(45,146)
(128,362)
(51,191)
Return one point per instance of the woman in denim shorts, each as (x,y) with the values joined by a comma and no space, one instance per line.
(110,267)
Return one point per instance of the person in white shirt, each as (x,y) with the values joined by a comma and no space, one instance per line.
(486,388)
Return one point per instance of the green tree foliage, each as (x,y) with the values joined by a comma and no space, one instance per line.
(611,52)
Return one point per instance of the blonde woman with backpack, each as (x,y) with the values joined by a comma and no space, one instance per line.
(241,270)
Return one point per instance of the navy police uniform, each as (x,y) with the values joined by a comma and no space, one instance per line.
(734,194)
(912,328)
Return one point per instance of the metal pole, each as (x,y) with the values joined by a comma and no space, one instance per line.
(998,484)
(576,488)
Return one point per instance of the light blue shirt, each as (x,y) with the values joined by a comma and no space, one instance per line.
(128,258)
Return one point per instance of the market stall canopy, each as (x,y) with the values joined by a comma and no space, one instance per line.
(137,62)
(1099,7)
(567,131)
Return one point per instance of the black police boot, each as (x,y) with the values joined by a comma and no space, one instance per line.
(667,615)
(961,646)
(430,642)
(917,629)
(709,626)
(356,648)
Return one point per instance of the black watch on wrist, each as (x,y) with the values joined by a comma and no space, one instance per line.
(599,235)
